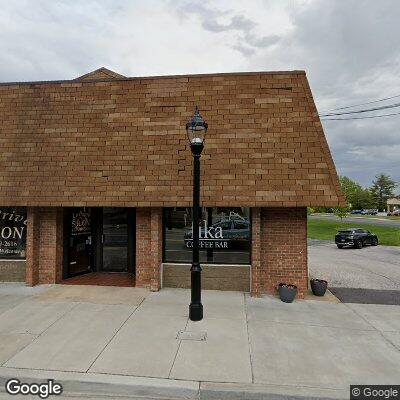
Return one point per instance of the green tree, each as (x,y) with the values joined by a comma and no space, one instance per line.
(363,199)
(341,212)
(356,196)
(382,189)
(349,188)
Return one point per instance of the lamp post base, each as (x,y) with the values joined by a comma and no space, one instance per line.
(196,312)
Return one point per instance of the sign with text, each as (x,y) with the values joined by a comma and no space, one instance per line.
(221,235)
(81,224)
(13,223)
(224,235)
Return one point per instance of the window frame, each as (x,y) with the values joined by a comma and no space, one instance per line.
(164,242)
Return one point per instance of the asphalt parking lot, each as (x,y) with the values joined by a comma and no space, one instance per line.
(370,275)
(359,219)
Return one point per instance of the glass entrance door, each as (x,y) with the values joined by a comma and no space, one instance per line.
(115,239)
(80,250)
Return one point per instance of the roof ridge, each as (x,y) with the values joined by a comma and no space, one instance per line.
(93,75)
(129,78)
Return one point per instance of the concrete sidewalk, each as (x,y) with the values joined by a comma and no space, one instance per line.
(117,339)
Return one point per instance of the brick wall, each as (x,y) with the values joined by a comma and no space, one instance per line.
(12,270)
(256,284)
(279,249)
(148,247)
(123,142)
(213,277)
(44,245)
(32,246)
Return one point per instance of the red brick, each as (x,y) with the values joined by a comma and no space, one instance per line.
(279,252)
(148,247)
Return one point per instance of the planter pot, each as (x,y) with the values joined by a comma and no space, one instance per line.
(287,293)
(318,286)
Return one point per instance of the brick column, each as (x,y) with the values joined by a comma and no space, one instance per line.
(148,247)
(32,246)
(44,245)
(255,289)
(156,248)
(283,250)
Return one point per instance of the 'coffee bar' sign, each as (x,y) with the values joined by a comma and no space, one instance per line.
(209,238)
(12,232)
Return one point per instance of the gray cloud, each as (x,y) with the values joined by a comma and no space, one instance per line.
(350,50)
(237,23)
(54,39)
(245,41)
(242,48)
(351,53)
(209,16)
(263,41)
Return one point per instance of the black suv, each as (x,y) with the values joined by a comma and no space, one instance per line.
(355,237)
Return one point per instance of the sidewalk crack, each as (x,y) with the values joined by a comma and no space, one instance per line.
(177,351)
(374,328)
(113,336)
(248,338)
(38,336)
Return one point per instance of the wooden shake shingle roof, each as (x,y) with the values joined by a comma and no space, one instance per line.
(121,142)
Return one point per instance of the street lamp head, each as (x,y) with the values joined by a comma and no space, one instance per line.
(196,130)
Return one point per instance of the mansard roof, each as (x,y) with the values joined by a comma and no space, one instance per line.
(122,142)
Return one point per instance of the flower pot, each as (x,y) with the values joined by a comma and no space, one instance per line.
(287,293)
(318,286)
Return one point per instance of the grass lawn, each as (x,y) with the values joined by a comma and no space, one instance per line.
(390,217)
(326,230)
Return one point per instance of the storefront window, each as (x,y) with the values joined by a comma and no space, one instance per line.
(225,235)
(12,232)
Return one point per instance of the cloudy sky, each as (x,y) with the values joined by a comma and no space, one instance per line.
(350,50)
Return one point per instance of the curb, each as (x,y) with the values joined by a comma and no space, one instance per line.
(98,386)
(253,391)
(87,385)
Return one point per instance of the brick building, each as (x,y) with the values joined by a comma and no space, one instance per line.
(97,177)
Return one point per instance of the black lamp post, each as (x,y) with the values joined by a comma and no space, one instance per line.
(196,130)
